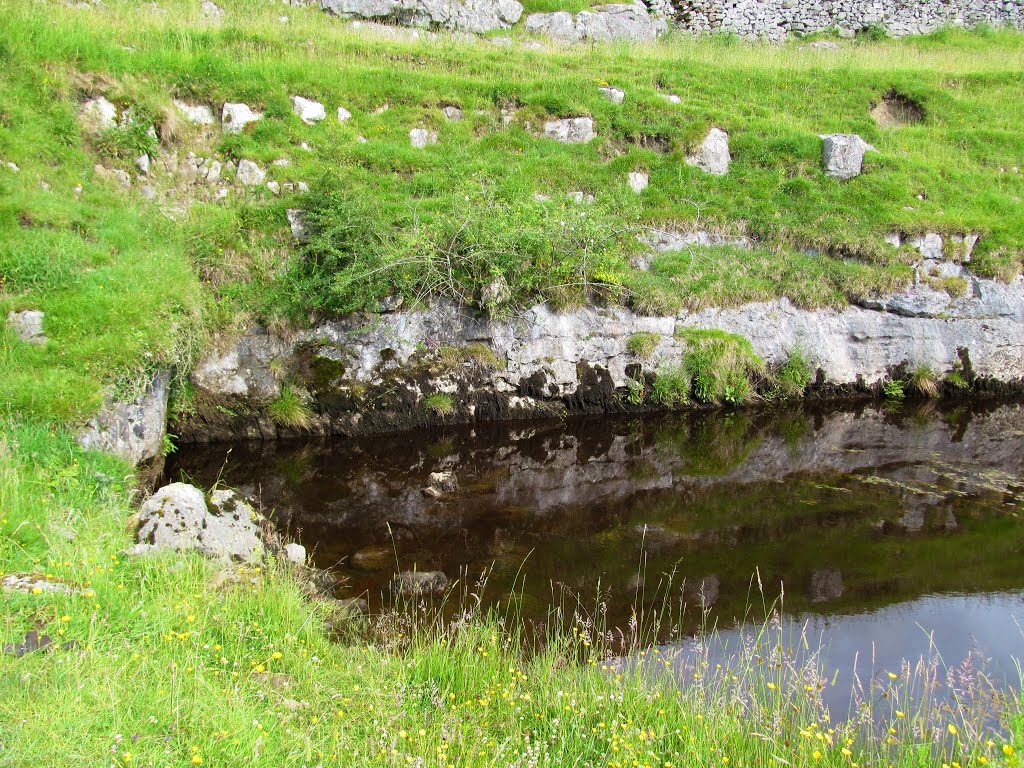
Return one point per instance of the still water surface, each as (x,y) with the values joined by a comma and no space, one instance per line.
(883,534)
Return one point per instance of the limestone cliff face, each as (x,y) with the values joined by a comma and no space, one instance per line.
(376,373)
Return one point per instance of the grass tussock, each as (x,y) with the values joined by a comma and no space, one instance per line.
(723,365)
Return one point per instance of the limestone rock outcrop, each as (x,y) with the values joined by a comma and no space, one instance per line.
(616,21)
(465,15)
(133,430)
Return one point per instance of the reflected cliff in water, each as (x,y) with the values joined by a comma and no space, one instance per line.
(845,511)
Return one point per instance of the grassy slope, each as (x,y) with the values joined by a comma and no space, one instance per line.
(166,667)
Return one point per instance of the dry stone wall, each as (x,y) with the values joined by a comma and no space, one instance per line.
(775,19)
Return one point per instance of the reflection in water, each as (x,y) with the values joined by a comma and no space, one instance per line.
(845,511)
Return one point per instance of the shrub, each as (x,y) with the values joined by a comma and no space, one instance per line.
(439,404)
(671,386)
(643,344)
(722,365)
(290,409)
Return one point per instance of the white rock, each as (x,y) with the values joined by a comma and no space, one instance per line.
(343,115)
(671,98)
(211,9)
(12,167)
(27,325)
(274,187)
(196,114)
(929,245)
(452,113)
(235,116)
(638,181)
(571,130)
(894,239)
(712,156)
(282,162)
(420,137)
(296,553)
(842,154)
(147,192)
(133,430)
(98,115)
(309,111)
(180,517)
(297,222)
(477,16)
(142,163)
(614,95)
(250,174)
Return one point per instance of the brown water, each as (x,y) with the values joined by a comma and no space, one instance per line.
(876,526)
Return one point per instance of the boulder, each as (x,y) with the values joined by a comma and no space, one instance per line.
(309,111)
(133,430)
(616,21)
(614,95)
(452,113)
(929,245)
(235,116)
(476,16)
(27,325)
(842,154)
(343,115)
(421,137)
(98,115)
(570,130)
(180,517)
(196,114)
(295,553)
(249,174)
(638,181)
(418,583)
(712,156)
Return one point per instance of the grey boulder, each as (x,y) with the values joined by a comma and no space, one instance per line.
(249,174)
(712,156)
(181,517)
(842,154)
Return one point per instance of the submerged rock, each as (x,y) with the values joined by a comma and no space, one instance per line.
(418,583)
(376,557)
(180,517)
(826,584)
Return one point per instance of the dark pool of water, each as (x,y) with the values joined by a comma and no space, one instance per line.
(876,526)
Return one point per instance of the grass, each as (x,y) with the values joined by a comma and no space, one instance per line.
(643,344)
(168,667)
(290,409)
(723,365)
(439,404)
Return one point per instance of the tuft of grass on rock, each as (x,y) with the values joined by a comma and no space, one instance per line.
(643,344)
(290,409)
(723,365)
(439,403)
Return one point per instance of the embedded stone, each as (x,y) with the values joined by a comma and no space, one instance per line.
(235,116)
(310,112)
(419,583)
(196,114)
(98,115)
(638,181)
(421,137)
(343,115)
(712,156)
(570,130)
(614,95)
(842,154)
(27,325)
(250,174)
